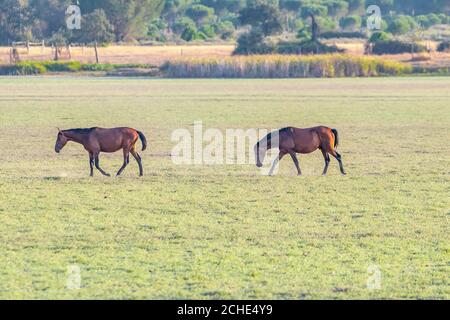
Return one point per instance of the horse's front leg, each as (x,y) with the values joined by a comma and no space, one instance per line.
(97,165)
(275,162)
(91,163)
(297,165)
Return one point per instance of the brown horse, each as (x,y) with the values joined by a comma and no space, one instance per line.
(96,140)
(295,140)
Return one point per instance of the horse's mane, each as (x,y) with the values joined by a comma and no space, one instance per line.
(268,137)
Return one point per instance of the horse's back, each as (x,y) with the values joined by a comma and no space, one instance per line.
(309,139)
(112,139)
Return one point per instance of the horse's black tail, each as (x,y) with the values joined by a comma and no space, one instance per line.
(336,137)
(143,140)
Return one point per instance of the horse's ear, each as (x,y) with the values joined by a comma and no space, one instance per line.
(59,130)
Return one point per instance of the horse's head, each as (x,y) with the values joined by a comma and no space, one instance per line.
(260,153)
(61,141)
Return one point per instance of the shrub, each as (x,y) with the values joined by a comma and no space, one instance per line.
(379,36)
(280,66)
(337,34)
(97,67)
(55,66)
(396,47)
(305,47)
(444,46)
(253,42)
(23,68)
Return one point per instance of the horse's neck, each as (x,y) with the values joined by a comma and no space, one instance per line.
(76,137)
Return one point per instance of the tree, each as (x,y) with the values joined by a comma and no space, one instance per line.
(48,17)
(291,5)
(222,6)
(12,20)
(96,28)
(315,9)
(183,24)
(262,15)
(200,13)
(337,8)
(350,22)
(225,29)
(401,25)
(130,18)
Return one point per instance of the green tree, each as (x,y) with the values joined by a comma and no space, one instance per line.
(130,18)
(96,28)
(225,29)
(200,13)
(400,25)
(313,9)
(12,21)
(262,15)
(350,22)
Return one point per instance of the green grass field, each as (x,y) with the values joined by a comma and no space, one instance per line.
(226,231)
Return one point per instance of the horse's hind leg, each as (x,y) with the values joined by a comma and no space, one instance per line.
(91,163)
(97,165)
(138,159)
(126,160)
(339,159)
(326,156)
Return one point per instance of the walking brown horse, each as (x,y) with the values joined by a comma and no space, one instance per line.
(292,140)
(96,140)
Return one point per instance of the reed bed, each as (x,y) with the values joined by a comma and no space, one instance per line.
(283,66)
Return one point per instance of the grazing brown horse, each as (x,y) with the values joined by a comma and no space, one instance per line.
(295,140)
(96,140)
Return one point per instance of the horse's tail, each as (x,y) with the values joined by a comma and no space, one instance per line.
(143,140)
(336,137)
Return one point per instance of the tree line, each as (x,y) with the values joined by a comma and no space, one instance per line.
(109,21)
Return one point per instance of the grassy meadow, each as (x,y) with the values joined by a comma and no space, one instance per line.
(226,231)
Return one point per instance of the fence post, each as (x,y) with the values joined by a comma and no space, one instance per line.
(96,52)
(28,47)
(69,50)
(43,47)
(56,53)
